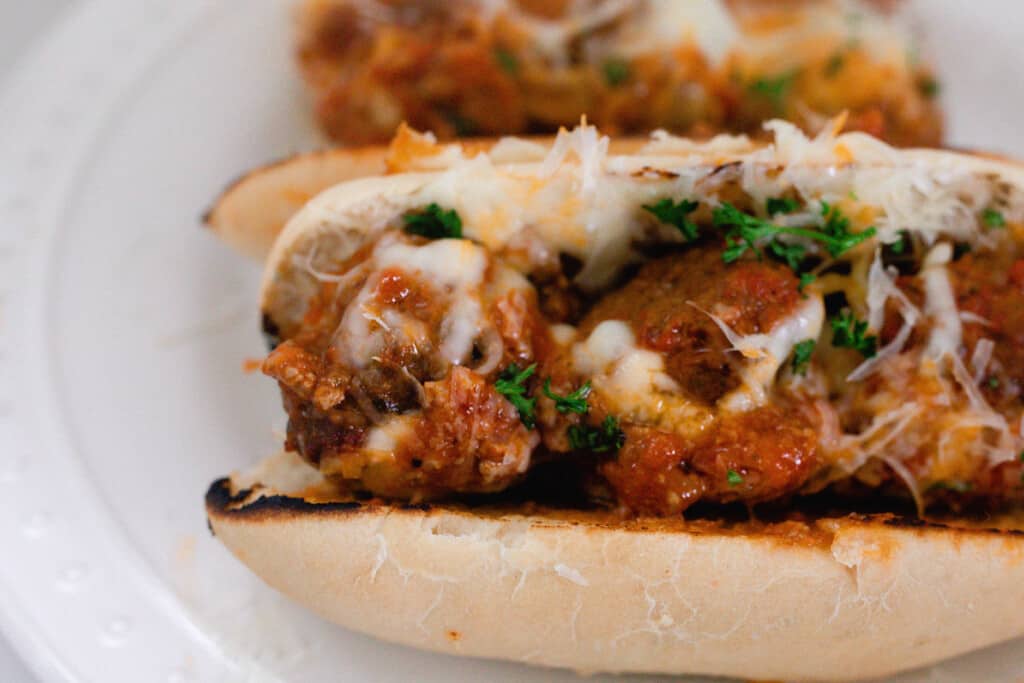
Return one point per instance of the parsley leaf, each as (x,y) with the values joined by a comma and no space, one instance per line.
(993,218)
(792,254)
(607,437)
(802,352)
(576,402)
(951,485)
(433,222)
(743,231)
(776,205)
(776,89)
(512,385)
(668,211)
(734,478)
(837,226)
(508,62)
(616,71)
(848,332)
(805,279)
(929,87)
(900,245)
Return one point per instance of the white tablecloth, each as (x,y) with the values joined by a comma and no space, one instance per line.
(21,22)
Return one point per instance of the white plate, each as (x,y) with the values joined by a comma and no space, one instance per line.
(123,328)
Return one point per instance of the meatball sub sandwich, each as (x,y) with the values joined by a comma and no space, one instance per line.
(500,67)
(694,408)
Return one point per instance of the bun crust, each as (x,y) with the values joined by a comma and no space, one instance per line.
(838,598)
(253,209)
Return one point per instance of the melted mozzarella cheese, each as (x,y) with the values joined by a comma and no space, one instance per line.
(666,24)
(455,269)
(767,351)
(632,381)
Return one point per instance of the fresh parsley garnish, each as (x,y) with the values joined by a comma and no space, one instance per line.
(993,382)
(929,87)
(734,478)
(805,279)
(743,231)
(508,62)
(576,402)
(993,218)
(850,333)
(900,245)
(512,385)
(776,88)
(616,71)
(837,227)
(951,485)
(606,437)
(802,352)
(675,213)
(433,222)
(792,254)
(776,205)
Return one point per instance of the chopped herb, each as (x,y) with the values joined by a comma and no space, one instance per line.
(805,279)
(508,62)
(512,385)
(775,88)
(951,485)
(743,231)
(464,126)
(993,382)
(734,478)
(929,87)
(433,222)
(802,353)
(576,402)
(900,245)
(853,195)
(834,65)
(776,205)
(668,211)
(850,333)
(607,437)
(616,71)
(792,254)
(993,218)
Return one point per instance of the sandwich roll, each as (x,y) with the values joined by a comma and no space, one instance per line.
(737,407)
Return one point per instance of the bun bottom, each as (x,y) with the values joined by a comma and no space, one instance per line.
(838,598)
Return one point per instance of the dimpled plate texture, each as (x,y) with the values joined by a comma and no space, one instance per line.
(123,329)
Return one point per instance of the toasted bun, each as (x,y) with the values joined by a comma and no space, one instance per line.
(839,598)
(252,210)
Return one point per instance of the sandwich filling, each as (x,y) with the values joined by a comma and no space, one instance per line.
(724,323)
(498,67)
